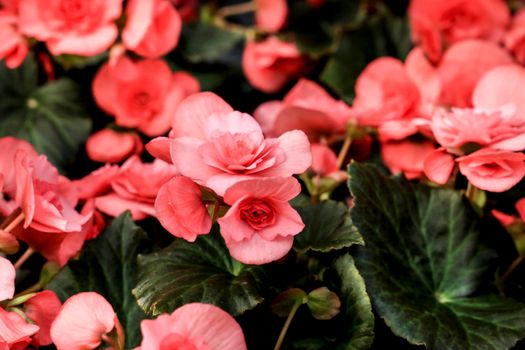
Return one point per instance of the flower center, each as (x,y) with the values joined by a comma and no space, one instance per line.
(257,213)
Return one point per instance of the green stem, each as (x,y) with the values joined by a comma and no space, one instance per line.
(289,319)
(511,268)
(34,288)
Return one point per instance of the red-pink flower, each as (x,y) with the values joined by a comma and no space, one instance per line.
(515,37)
(79,27)
(109,146)
(493,170)
(406,156)
(180,209)
(13,46)
(42,309)
(82,322)
(270,64)
(216,146)
(437,24)
(153,27)
(7,279)
(193,326)
(307,107)
(260,226)
(271,15)
(145,98)
(438,166)
(15,332)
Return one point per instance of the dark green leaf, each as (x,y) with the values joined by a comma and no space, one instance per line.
(202,271)
(283,303)
(327,226)
(51,117)
(108,266)
(424,262)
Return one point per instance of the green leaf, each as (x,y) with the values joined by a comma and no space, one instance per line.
(283,303)
(424,263)
(327,227)
(52,117)
(323,303)
(202,42)
(107,265)
(202,271)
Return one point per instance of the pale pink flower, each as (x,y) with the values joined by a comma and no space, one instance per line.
(406,156)
(147,99)
(7,279)
(195,326)
(109,146)
(271,15)
(307,107)
(15,332)
(493,170)
(180,209)
(270,64)
(260,226)
(82,27)
(42,309)
(216,146)
(82,322)
(153,27)
(13,46)
(438,166)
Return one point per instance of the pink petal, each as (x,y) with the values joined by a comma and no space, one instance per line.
(313,123)
(438,166)
(266,114)
(14,329)
(82,321)
(43,308)
(424,74)
(114,205)
(105,89)
(278,188)
(271,14)
(159,147)
(7,279)
(109,146)
(520,207)
(288,223)
(139,18)
(298,156)
(258,251)
(233,122)
(96,183)
(324,160)
(85,45)
(186,157)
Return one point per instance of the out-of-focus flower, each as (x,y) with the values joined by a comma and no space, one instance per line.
(271,15)
(406,156)
(108,146)
(13,46)
(515,37)
(438,166)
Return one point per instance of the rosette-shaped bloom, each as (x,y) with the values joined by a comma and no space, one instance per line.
(13,46)
(260,226)
(7,279)
(493,170)
(15,332)
(79,27)
(82,321)
(153,27)
(42,309)
(216,146)
(271,15)
(270,64)
(307,107)
(193,326)
(108,146)
(437,24)
(406,156)
(146,97)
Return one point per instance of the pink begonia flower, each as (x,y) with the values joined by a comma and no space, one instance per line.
(520,207)
(43,196)
(188,9)
(438,166)
(270,64)
(271,15)
(42,309)
(501,86)
(462,67)
(437,24)
(135,188)
(96,183)
(260,226)
(82,27)
(146,102)
(13,46)
(194,326)
(406,156)
(7,279)
(9,146)
(515,37)
(216,146)
(180,209)
(109,146)
(15,332)
(493,170)
(424,75)
(82,322)
(307,107)
(152,28)
(324,163)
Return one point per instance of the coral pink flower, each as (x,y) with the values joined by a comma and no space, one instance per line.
(147,99)
(193,326)
(406,156)
(96,183)
(180,209)
(153,27)
(436,24)
(15,332)
(271,15)
(81,27)
(82,322)
(438,166)
(462,67)
(135,188)
(270,64)
(108,146)
(42,309)
(260,226)
(515,37)
(307,107)
(493,170)
(324,160)
(13,47)
(9,146)
(424,75)
(7,279)
(42,194)
(216,146)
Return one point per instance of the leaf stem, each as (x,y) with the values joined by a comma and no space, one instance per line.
(23,258)
(10,218)
(511,268)
(34,288)
(344,151)
(287,323)
(237,9)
